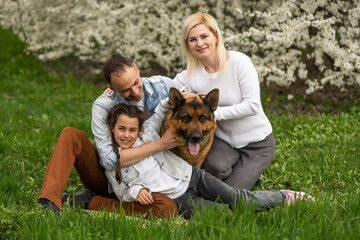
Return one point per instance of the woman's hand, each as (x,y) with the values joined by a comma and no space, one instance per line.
(202,94)
(144,197)
(189,95)
(193,95)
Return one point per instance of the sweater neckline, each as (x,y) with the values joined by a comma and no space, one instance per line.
(208,75)
(212,75)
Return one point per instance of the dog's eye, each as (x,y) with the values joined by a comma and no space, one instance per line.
(202,118)
(186,118)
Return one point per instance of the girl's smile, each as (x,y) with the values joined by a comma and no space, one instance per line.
(126,131)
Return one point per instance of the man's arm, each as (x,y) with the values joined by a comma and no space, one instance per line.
(102,137)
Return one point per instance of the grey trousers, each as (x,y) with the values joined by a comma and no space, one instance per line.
(242,167)
(204,189)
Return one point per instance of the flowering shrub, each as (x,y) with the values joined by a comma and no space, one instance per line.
(314,42)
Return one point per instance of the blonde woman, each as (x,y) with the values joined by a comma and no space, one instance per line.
(244,144)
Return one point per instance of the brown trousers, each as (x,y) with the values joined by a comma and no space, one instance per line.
(73,148)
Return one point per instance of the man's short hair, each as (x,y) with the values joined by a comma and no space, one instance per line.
(116,64)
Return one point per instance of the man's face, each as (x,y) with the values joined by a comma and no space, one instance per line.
(128,84)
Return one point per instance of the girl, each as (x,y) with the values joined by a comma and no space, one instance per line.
(166,173)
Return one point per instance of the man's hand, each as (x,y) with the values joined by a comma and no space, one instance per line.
(168,140)
(144,197)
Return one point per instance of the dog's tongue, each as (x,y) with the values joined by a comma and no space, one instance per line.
(194,148)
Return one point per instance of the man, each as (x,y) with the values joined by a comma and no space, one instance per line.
(73,147)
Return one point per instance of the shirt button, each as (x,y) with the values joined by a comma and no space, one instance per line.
(172,173)
(162,164)
(126,171)
(186,177)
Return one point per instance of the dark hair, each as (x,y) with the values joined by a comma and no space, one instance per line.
(131,111)
(115,64)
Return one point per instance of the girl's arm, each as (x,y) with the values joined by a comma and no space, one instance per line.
(122,190)
(133,155)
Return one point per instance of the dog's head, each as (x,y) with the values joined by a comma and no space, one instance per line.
(192,119)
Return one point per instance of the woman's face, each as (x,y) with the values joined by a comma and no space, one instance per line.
(202,42)
(126,131)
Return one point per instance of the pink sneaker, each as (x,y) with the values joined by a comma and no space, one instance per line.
(292,196)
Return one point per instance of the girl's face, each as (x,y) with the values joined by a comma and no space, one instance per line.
(126,131)
(202,42)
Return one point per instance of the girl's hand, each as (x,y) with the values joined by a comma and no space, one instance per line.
(144,197)
(168,140)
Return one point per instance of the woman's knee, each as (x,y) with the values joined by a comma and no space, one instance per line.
(217,169)
(220,159)
(220,166)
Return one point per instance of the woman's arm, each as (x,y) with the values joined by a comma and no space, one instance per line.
(248,82)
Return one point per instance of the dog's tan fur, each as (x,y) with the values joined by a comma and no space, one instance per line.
(192,120)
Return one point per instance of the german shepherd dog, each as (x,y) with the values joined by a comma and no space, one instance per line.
(192,122)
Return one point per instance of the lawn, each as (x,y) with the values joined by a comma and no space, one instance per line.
(316,153)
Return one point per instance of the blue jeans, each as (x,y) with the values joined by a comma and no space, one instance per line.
(204,189)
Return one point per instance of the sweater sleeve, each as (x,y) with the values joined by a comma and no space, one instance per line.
(248,81)
(181,78)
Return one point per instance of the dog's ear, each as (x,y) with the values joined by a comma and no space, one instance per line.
(175,98)
(212,99)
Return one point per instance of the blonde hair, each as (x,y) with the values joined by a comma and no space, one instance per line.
(191,61)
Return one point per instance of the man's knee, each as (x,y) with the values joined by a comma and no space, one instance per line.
(164,206)
(69,132)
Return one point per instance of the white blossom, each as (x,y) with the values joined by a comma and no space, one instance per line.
(315,42)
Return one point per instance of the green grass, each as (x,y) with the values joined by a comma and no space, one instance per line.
(318,154)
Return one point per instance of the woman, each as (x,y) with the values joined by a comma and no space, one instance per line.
(244,144)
